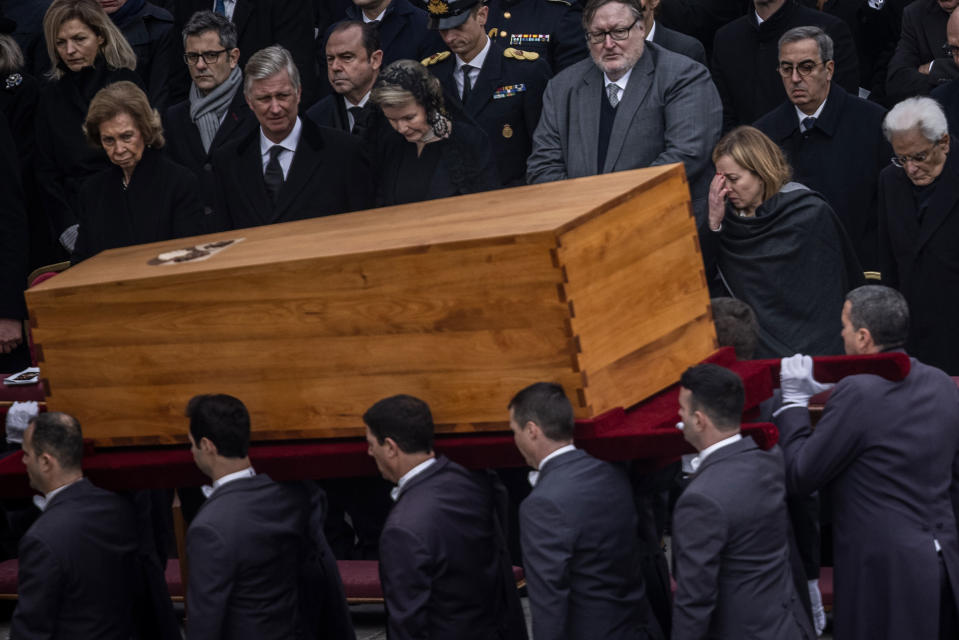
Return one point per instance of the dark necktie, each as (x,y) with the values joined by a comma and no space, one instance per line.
(359,120)
(467,87)
(219,7)
(273,176)
(807,123)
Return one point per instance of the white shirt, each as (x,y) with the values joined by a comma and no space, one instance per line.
(802,116)
(230,477)
(229,6)
(758,18)
(44,500)
(288,143)
(409,475)
(621,83)
(476,64)
(696,462)
(652,31)
(534,475)
(378,18)
(346,101)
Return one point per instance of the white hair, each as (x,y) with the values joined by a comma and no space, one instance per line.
(919,113)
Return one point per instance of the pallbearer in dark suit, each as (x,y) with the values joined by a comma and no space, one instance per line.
(730,526)
(500,87)
(667,38)
(78,560)
(353,59)
(578,530)
(216,111)
(260,568)
(443,559)
(288,168)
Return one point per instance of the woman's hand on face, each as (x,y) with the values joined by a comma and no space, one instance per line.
(717,201)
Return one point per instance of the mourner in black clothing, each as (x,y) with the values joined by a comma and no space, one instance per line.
(429,154)
(87,53)
(145,197)
(149,30)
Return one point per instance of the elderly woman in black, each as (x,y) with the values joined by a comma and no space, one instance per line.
(428,153)
(144,197)
(87,53)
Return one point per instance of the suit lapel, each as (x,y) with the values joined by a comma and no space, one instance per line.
(586,115)
(640,82)
(718,456)
(486,81)
(234,117)
(307,158)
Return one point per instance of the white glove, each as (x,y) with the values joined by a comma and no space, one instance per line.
(18,417)
(818,613)
(796,381)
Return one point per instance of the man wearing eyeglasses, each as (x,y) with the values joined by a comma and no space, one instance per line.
(632,105)
(919,64)
(216,111)
(832,139)
(918,228)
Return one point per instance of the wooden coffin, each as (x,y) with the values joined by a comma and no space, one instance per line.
(596,283)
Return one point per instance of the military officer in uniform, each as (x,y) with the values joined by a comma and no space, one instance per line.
(551,28)
(500,87)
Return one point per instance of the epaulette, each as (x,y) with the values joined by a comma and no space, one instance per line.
(518,54)
(436,57)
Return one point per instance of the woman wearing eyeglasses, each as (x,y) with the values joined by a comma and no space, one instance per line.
(87,52)
(778,246)
(919,228)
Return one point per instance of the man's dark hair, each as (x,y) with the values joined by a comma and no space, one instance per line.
(736,326)
(635,7)
(546,404)
(203,21)
(370,33)
(717,392)
(881,310)
(405,419)
(221,419)
(59,435)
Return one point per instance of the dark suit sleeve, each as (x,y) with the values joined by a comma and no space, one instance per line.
(49,176)
(162,59)
(547,544)
(222,220)
(208,593)
(903,79)
(533,102)
(700,532)
(887,261)
(360,188)
(730,115)
(813,458)
(570,45)
(847,62)
(188,218)
(405,574)
(40,578)
(13,240)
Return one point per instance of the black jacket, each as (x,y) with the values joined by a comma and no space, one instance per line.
(64,157)
(920,257)
(921,39)
(13,230)
(403,32)
(329,175)
(745,55)
(160,203)
(680,43)
(506,103)
(183,144)
(948,96)
(149,30)
(840,157)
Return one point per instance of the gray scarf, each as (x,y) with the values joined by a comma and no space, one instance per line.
(208,111)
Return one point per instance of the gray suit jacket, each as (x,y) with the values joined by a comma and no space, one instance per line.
(578,530)
(731,562)
(670,112)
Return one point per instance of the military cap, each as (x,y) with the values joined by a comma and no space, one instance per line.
(448,14)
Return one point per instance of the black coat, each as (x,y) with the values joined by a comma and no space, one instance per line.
(13,230)
(745,55)
(506,103)
(466,163)
(19,94)
(259,24)
(921,259)
(443,564)
(331,112)
(183,144)
(551,28)
(260,568)
(923,34)
(948,96)
(149,31)
(840,157)
(161,202)
(64,157)
(701,18)
(403,32)
(77,575)
(680,43)
(329,175)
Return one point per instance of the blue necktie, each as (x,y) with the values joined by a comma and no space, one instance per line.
(807,123)
(219,8)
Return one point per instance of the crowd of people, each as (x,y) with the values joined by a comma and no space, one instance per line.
(815,137)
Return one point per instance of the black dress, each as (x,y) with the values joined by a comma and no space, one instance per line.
(160,203)
(462,163)
(64,158)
